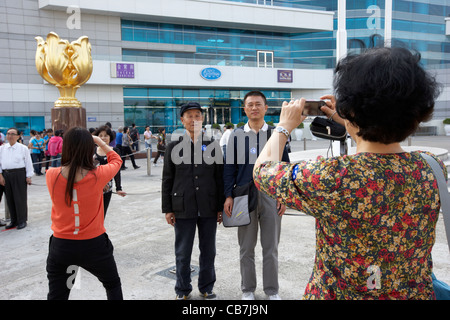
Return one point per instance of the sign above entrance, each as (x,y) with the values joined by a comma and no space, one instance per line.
(285,76)
(210,73)
(122,70)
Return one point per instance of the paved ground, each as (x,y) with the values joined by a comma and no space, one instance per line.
(144,244)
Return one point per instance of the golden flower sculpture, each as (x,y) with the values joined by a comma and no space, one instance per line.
(65,65)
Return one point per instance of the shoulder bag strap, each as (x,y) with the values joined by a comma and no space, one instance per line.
(443,192)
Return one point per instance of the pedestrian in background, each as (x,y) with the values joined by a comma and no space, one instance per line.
(47,158)
(126,148)
(55,148)
(2,138)
(161,144)
(134,134)
(224,139)
(148,135)
(113,141)
(16,170)
(107,135)
(119,137)
(37,145)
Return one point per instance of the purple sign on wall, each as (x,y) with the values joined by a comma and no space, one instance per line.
(124,70)
(285,76)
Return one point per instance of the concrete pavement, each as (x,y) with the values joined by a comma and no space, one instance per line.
(144,243)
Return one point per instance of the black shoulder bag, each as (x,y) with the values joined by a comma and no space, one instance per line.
(328,129)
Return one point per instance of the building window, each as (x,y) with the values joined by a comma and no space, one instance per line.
(265,59)
(22,123)
(229,47)
(265,2)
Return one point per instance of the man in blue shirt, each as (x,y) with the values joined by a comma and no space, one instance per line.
(37,146)
(243,149)
(119,143)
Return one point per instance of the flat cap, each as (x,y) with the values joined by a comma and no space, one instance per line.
(189,106)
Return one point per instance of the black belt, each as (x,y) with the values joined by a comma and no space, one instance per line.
(13,170)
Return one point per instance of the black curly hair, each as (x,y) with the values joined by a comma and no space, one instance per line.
(385,92)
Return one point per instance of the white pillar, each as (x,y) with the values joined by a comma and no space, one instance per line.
(341,51)
(387,23)
(341,36)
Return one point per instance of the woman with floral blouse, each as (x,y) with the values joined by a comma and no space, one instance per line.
(376,210)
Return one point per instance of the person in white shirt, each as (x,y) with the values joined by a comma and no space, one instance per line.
(16,170)
(148,135)
(225,137)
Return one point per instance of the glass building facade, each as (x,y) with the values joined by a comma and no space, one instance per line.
(417,25)
(230,47)
(22,123)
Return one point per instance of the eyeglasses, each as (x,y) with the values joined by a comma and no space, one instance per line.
(11,134)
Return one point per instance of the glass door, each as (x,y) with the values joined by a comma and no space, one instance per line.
(222,115)
(222,111)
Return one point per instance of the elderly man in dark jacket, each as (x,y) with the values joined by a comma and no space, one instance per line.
(192,197)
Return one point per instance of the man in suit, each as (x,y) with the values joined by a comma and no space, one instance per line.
(244,146)
(192,197)
(16,170)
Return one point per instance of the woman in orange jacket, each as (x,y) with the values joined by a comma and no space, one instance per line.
(79,237)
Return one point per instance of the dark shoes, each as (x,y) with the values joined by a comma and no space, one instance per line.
(15,225)
(10,226)
(21,225)
(136,167)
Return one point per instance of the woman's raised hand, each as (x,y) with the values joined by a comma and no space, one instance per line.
(291,114)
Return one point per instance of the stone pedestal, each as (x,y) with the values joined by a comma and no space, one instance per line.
(68,117)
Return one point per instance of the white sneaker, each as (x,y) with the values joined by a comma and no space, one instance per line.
(274,297)
(248,296)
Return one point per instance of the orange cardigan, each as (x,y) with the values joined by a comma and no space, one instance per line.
(84,218)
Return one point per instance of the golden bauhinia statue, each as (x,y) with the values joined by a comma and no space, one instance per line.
(67,66)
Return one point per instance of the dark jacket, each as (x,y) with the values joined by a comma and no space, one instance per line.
(103,160)
(192,182)
(243,149)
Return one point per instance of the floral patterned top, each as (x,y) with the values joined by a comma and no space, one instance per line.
(375,222)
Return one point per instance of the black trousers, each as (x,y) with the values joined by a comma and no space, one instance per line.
(94,255)
(158,155)
(106,201)
(184,241)
(16,194)
(126,151)
(119,146)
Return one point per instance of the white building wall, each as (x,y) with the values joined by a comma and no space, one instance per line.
(206,12)
(188,75)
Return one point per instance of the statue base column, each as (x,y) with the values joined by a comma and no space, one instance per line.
(68,117)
